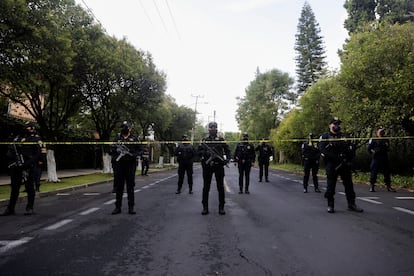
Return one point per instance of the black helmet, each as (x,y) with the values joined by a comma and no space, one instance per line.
(29,124)
(212,124)
(125,124)
(245,135)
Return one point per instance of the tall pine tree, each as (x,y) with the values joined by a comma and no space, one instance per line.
(310,57)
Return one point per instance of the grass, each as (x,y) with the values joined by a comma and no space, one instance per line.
(64,183)
(70,182)
(398,181)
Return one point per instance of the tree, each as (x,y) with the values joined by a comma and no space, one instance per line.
(267,99)
(377,74)
(362,13)
(38,62)
(310,58)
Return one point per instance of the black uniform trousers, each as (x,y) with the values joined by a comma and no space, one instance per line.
(244,172)
(16,177)
(183,168)
(308,166)
(124,172)
(145,167)
(263,165)
(332,173)
(208,171)
(380,165)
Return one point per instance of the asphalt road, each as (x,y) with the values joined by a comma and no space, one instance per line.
(275,230)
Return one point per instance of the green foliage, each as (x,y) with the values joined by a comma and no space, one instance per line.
(377,75)
(363,13)
(310,58)
(266,101)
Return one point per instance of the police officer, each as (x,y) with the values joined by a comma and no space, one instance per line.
(378,148)
(185,154)
(338,155)
(265,152)
(245,156)
(214,154)
(145,157)
(23,168)
(124,163)
(310,160)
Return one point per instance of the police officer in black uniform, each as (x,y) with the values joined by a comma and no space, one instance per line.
(378,148)
(214,154)
(338,155)
(145,158)
(124,163)
(310,160)
(185,154)
(23,168)
(244,156)
(265,152)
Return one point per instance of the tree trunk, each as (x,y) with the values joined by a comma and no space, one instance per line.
(51,166)
(107,164)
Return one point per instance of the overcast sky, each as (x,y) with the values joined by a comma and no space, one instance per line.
(211,48)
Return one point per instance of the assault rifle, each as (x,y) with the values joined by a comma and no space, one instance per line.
(19,162)
(213,155)
(122,150)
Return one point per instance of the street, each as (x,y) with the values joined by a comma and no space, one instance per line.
(274,230)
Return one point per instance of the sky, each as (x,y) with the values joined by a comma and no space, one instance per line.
(210,49)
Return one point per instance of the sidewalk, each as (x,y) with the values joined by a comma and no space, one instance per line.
(5,179)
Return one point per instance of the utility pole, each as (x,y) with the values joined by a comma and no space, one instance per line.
(195,115)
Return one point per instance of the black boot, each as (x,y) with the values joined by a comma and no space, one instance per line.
(317,189)
(331,208)
(305,189)
(8,212)
(372,188)
(221,210)
(354,208)
(389,189)
(131,210)
(116,211)
(205,210)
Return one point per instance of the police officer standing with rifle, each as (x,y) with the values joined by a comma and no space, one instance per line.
(185,154)
(244,156)
(124,153)
(214,154)
(310,161)
(338,154)
(23,168)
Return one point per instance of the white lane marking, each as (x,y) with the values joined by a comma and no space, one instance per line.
(58,224)
(137,190)
(91,210)
(405,197)
(341,193)
(112,201)
(62,194)
(145,187)
(227,186)
(369,200)
(91,194)
(404,210)
(7,245)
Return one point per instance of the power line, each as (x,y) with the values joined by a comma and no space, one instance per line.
(91,12)
(159,13)
(145,11)
(173,19)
